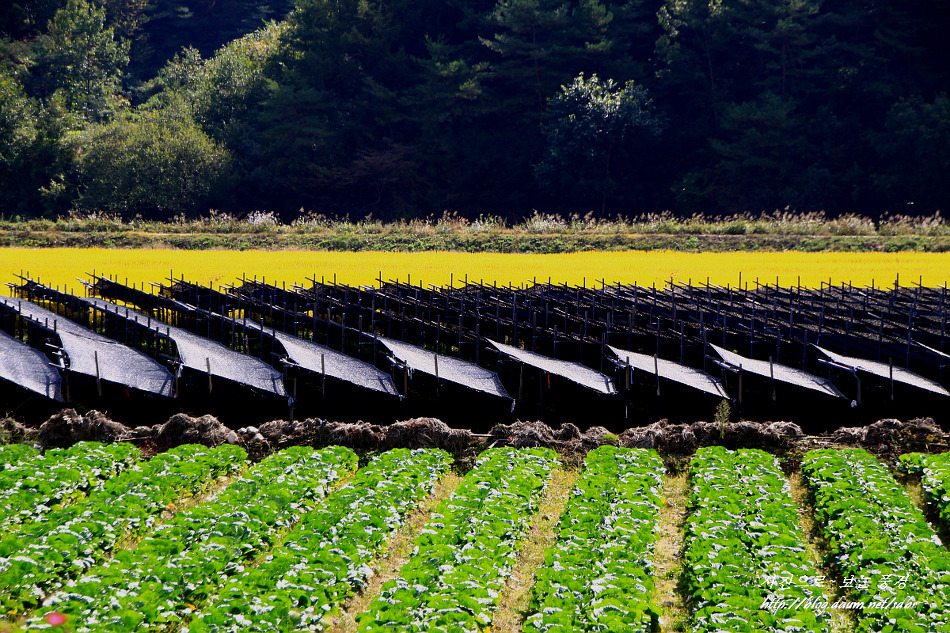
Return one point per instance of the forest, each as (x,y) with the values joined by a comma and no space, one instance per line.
(398,109)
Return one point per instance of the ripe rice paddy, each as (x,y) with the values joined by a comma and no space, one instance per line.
(60,267)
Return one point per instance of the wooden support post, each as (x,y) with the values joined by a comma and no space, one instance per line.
(740,384)
(772,376)
(478,337)
(521,382)
(805,352)
(705,353)
(293,398)
(910,326)
(541,394)
(98,375)
(359,338)
(890,365)
(514,321)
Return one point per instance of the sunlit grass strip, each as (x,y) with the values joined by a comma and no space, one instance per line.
(598,575)
(61,267)
(467,550)
(453,224)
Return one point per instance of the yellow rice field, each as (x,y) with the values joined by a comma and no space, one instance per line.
(61,267)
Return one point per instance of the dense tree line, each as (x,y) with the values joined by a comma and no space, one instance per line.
(408,108)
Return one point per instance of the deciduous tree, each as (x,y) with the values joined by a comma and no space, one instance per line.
(83,61)
(595,130)
(157,167)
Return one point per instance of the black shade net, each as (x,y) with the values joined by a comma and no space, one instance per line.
(95,355)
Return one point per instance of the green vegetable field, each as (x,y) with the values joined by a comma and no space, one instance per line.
(202,540)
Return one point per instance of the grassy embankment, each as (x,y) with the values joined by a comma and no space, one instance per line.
(538,234)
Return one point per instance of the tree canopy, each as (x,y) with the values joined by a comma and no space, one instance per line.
(405,109)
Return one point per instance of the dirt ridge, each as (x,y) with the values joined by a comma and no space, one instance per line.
(887,438)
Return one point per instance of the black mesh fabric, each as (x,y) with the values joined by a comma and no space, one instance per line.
(24,366)
(93,354)
(319,358)
(446,367)
(782,373)
(883,370)
(575,372)
(205,355)
(695,378)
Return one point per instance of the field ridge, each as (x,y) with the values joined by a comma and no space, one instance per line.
(841,621)
(510,613)
(397,554)
(669,552)
(505,242)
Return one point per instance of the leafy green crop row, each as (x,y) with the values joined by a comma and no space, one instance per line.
(598,574)
(328,555)
(17,454)
(934,472)
(880,543)
(30,488)
(186,560)
(69,540)
(467,549)
(745,548)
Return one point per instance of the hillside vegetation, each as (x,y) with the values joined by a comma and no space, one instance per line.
(165,108)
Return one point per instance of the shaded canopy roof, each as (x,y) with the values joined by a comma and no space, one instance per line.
(306,354)
(319,358)
(446,367)
(782,373)
(682,374)
(883,370)
(575,372)
(93,354)
(29,368)
(204,355)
